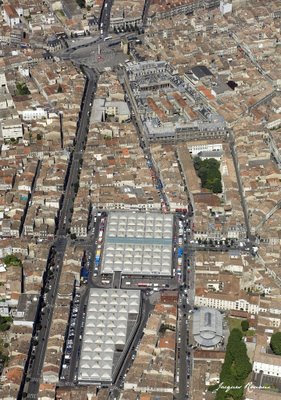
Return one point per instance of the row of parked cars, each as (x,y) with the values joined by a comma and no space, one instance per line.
(181,239)
(99,245)
(70,336)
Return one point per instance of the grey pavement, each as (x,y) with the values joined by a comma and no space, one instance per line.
(35,360)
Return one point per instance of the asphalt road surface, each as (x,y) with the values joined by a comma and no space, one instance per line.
(90,249)
(185,305)
(31,379)
(105,17)
(145,11)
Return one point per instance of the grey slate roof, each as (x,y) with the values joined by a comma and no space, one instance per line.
(200,71)
(207,327)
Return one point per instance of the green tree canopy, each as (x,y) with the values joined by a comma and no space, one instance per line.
(209,173)
(235,369)
(275,343)
(245,325)
(12,260)
(5,323)
(22,89)
(81,3)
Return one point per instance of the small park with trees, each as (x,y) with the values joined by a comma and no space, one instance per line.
(22,89)
(209,173)
(275,343)
(11,260)
(235,369)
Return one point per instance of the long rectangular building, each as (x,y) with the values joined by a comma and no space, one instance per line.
(138,244)
(111,320)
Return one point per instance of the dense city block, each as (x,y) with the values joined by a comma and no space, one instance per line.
(140,208)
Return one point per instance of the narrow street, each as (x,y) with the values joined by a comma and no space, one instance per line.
(186,300)
(149,159)
(33,186)
(35,360)
(240,187)
(104,22)
(145,11)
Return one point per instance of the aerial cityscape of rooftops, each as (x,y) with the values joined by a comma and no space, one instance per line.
(140,199)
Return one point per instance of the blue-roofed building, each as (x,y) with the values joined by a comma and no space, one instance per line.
(207,327)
